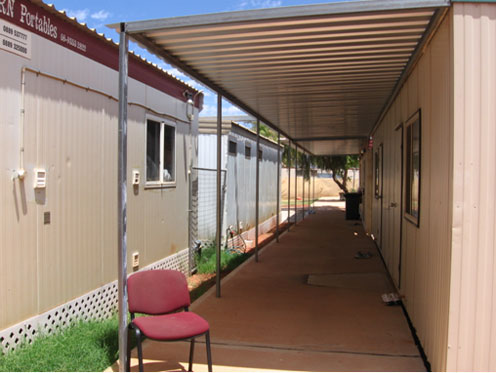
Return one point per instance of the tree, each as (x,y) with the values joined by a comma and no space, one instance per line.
(265,131)
(338,165)
(304,161)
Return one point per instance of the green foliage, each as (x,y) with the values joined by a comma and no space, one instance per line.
(290,156)
(83,346)
(287,156)
(206,263)
(265,131)
(339,166)
(352,161)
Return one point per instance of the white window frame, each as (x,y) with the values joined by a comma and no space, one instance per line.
(161,183)
(411,214)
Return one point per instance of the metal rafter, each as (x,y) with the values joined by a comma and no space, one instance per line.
(335,67)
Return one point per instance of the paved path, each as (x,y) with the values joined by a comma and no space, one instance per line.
(270,318)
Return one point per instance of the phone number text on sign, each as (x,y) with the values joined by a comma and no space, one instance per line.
(72,42)
(14,39)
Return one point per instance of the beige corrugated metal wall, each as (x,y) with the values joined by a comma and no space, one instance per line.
(425,250)
(366,183)
(472,331)
(71,132)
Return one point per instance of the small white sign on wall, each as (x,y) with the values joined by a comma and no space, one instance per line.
(15,39)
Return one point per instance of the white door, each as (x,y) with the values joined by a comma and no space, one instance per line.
(395,204)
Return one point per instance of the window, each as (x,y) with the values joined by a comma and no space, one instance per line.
(247,151)
(160,152)
(232,147)
(260,154)
(412,169)
(378,172)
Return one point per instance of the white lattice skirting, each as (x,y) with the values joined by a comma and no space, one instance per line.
(98,304)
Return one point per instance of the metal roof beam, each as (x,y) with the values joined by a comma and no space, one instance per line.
(304,64)
(401,21)
(268,48)
(286,39)
(330,138)
(283,12)
(242,60)
(341,48)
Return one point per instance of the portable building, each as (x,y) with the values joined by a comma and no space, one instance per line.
(239,158)
(430,190)
(419,77)
(58,156)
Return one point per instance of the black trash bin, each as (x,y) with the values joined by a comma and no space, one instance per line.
(353,205)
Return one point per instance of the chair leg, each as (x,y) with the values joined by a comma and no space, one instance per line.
(191,353)
(209,353)
(140,350)
(128,355)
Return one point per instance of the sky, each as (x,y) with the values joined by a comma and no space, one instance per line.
(98,13)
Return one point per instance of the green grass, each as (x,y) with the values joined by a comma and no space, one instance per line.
(84,346)
(92,346)
(206,263)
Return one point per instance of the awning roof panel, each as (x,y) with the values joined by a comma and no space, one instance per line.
(314,72)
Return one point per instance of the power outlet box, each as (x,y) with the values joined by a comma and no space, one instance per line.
(135,259)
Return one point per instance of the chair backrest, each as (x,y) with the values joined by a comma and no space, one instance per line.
(157,292)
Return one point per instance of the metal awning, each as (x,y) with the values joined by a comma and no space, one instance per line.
(321,74)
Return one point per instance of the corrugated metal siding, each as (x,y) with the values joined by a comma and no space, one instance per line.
(66,127)
(71,132)
(207,183)
(207,151)
(16,247)
(425,259)
(472,333)
(240,193)
(241,173)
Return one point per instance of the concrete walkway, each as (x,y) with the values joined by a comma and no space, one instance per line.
(270,318)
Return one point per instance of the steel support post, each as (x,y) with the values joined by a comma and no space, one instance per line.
(296,184)
(218,236)
(313,196)
(310,190)
(303,191)
(257,189)
(122,198)
(309,187)
(278,182)
(289,185)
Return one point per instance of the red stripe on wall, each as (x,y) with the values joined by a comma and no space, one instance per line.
(45,21)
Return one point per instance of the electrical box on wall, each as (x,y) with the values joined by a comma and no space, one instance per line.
(135,259)
(40,178)
(136,177)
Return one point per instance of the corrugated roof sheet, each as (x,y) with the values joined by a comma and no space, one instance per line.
(101,36)
(322,74)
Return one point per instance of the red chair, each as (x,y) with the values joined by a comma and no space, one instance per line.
(163,294)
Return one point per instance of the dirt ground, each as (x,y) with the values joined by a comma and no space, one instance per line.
(324,187)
